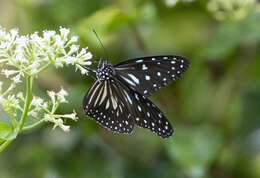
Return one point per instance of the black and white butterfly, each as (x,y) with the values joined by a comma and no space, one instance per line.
(118,98)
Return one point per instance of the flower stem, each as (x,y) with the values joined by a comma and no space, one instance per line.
(5,144)
(33,125)
(28,100)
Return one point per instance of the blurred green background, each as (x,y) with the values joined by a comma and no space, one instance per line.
(214,107)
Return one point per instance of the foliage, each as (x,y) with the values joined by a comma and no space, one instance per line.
(214,107)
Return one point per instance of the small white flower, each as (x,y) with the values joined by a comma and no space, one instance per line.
(33,113)
(14,33)
(7,72)
(72,116)
(45,105)
(52,96)
(73,49)
(35,37)
(74,39)
(49,118)
(64,32)
(34,67)
(59,62)
(61,95)
(20,95)
(47,35)
(11,103)
(84,71)
(70,60)
(22,41)
(37,101)
(86,63)
(17,78)
(59,123)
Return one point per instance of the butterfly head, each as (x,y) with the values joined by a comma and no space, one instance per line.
(105,71)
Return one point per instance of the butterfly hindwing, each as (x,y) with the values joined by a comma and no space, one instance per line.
(106,103)
(148,74)
(118,108)
(148,115)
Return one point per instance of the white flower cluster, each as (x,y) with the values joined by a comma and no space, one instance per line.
(8,100)
(33,53)
(231,9)
(39,108)
(172,3)
(27,56)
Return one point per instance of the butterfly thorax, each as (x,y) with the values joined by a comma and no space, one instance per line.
(105,71)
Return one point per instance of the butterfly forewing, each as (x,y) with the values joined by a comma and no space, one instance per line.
(148,74)
(107,103)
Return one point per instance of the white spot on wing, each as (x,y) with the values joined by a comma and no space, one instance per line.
(128,98)
(136,96)
(139,61)
(93,93)
(144,67)
(139,108)
(107,105)
(99,94)
(136,80)
(147,77)
(104,94)
(128,81)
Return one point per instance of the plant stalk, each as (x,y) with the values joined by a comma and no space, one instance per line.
(28,100)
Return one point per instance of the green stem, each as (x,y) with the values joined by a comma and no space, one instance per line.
(5,144)
(33,125)
(28,100)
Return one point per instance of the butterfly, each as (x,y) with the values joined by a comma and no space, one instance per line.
(118,99)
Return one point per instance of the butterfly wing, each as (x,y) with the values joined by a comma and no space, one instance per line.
(148,74)
(147,115)
(107,102)
(118,108)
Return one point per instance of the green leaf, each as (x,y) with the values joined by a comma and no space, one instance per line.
(193,149)
(5,131)
(1,141)
(104,21)
(230,35)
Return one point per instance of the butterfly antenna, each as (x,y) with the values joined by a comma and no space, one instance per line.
(94,31)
